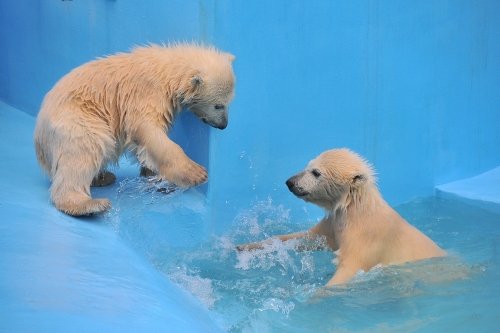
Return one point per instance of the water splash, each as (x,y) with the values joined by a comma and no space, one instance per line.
(278,305)
(261,220)
(201,288)
(146,189)
(137,194)
(273,253)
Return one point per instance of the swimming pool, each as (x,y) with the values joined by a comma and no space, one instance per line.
(413,87)
(278,289)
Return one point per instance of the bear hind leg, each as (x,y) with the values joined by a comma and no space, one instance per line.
(70,189)
(79,205)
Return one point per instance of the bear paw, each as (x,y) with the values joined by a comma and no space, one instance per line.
(86,207)
(187,174)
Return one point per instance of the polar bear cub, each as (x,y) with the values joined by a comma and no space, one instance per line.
(359,224)
(128,101)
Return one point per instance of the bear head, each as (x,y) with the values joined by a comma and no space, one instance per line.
(212,89)
(331,179)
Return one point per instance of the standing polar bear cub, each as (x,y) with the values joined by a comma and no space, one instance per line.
(359,224)
(128,101)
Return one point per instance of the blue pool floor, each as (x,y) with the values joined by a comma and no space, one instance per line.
(61,274)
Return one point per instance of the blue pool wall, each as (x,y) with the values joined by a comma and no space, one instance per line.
(413,86)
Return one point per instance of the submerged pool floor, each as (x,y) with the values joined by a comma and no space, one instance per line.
(154,263)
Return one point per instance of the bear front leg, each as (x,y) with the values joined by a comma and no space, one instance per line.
(260,245)
(342,275)
(308,242)
(165,158)
(311,236)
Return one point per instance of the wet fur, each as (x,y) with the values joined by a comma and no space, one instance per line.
(363,229)
(128,101)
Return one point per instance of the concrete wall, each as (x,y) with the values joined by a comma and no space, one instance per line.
(413,86)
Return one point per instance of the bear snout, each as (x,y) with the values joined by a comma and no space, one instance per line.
(292,186)
(222,125)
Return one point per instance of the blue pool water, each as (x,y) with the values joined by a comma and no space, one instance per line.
(278,289)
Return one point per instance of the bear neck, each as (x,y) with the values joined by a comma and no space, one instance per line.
(362,203)
(353,217)
(178,91)
(173,70)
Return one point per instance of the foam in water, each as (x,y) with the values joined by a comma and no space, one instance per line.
(137,193)
(277,305)
(200,287)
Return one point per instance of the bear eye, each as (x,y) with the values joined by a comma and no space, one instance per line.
(219,106)
(316,173)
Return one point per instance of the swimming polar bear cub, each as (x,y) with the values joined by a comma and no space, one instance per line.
(128,101)
(359,224)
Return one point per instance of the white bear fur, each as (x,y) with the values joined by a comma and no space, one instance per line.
(363,229)
(128,101)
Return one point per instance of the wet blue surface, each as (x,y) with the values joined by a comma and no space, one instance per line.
(60,274)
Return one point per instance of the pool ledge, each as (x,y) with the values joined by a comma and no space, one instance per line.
(482,190)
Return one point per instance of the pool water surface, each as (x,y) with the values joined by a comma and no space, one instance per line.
(279,289)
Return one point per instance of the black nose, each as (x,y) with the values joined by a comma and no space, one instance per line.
(290,184)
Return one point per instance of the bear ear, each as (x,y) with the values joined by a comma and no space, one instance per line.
(230,57)
(196,81)
(358,179)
